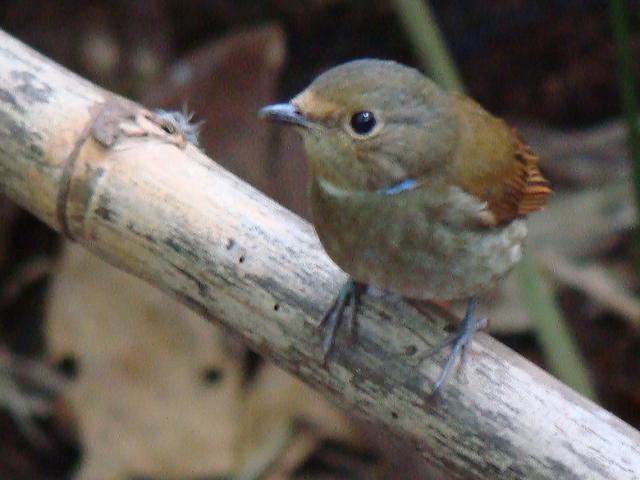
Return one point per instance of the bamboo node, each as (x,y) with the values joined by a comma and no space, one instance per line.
(69,165)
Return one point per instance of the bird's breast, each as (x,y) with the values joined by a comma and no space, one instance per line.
(415,243)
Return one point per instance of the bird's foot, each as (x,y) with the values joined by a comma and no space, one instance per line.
(349,295)
(459,341)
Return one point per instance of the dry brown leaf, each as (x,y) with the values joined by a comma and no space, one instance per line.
(224,83)
(273,406)
(140,395)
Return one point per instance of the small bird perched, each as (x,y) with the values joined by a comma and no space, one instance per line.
(413,189)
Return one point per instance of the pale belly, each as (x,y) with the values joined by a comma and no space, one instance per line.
(399,243)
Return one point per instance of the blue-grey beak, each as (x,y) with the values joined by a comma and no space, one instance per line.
(285,113)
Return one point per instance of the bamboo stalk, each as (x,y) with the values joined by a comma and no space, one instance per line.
(100,169)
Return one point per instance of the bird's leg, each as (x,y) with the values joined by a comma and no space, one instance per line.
(349,294)
(352,320)
(460,341)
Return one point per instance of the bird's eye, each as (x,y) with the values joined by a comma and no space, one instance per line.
(363,122)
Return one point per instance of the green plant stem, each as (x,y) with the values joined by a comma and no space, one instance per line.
(628,90)
(421,26)
(554,336)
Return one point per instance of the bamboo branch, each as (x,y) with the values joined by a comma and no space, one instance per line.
(101,170)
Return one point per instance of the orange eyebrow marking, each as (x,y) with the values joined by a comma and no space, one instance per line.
(316,108)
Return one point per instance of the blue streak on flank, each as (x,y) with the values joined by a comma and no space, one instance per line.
(403,186)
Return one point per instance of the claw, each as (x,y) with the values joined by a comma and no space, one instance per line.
(460,341)
(349,295)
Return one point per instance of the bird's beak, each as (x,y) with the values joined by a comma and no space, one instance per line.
(285,113)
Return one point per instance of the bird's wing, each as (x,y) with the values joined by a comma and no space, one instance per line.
(493,164)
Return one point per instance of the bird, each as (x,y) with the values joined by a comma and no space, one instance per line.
(414,189)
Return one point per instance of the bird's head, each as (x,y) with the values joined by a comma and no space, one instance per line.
(369,123)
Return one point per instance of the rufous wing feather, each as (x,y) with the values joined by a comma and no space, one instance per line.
(525,190)
(492,163)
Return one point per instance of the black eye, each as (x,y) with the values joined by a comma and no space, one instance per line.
(363,122)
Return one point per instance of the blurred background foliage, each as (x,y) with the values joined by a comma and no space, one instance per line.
(87,392)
